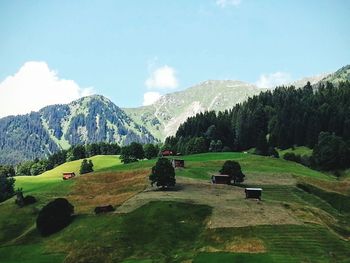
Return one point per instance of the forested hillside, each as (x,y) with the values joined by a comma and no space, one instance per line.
(87,120)
(284,117)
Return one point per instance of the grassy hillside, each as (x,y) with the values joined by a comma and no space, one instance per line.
(300,150)
(197,222)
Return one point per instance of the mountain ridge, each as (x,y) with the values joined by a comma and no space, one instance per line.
(96,118)
(86,120)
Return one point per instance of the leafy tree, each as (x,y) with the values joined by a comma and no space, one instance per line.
(163,174)
(37,168)
(76,152)
(6,184)
(136,150)
(150,151)
(233,169)
(54,216)
(86,167)
(197,145)
(331,152)
(24,168)
(132,152)
(126,156)
(93,149)
(215,146)
(7,171)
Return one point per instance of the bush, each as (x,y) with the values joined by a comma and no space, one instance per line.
(331,152)
(6,187)
(23,201)
(233,169)
(292,157)
(86,167)
(163,174)
(54,216)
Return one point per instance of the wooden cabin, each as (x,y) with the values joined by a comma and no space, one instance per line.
(68,175)
(167,153)
(221,179)
(254,193)
(104,209)
(178,163)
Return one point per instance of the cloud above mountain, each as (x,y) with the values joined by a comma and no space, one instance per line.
(162,78)
(274,79)
(150,98)
(34,86)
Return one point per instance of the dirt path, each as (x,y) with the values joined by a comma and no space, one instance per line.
(230,208)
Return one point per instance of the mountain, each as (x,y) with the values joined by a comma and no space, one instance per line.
(340,75)
(95,118)
(89,119)
(164,117)
(314,80)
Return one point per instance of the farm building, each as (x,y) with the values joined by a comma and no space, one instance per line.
(253,193)
(104,209)
(68,175)
(220,179)
(167,153)
(178,163)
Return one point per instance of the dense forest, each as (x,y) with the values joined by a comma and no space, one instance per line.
(283,118)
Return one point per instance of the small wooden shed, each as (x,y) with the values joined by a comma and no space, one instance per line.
(68,175)
(220,179)
(167,153)
(178,163)
(253,193)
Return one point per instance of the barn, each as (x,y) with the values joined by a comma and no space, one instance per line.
(253,193)
(167,153)
(221,179)
(178,163)
(68,175)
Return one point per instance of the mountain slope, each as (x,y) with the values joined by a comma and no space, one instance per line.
(341,75)
(87,120)
(164,116)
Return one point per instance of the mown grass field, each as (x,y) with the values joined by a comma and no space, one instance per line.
(177,231)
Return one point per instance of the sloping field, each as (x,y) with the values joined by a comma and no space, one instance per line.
(196,222)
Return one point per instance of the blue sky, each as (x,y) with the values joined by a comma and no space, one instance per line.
(124,49)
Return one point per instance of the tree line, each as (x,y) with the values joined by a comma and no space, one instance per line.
(282,118)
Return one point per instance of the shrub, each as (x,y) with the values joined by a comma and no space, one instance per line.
(163,174)
(292,157)
(54,216)
(233,169)
(6,187)
(86,167)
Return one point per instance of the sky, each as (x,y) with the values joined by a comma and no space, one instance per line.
(135,51)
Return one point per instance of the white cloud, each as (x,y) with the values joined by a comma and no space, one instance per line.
(162,78)
(150,98)
(274,79)
(35,86)
(225,3)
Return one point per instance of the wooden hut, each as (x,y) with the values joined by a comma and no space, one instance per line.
(167,153)
(178,163)
(68,175)
(221,179)
(253,193)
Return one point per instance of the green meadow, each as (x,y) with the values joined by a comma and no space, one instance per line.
(167,230)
